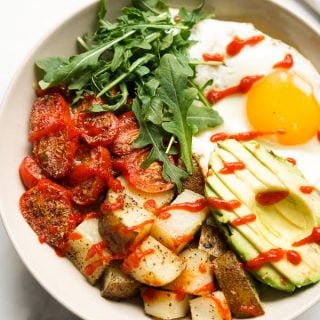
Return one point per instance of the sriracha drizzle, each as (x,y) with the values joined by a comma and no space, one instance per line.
(243,136)
(286,63)
(231,167)
(213,57)
(237,44)
(217,203)
(244,86)
(273,255)
(314,237)
(271,197)
(243,220)
(307,189)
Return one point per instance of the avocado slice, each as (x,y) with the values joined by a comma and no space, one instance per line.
(288,175)
(246,251)
(274,226)
(291,209)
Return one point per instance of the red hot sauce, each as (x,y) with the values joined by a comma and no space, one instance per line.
(243,220)
(272,197)
(286,63)
(244,86)
(237,44)
(213,57)
(314,237)
(231,167)
(217,203)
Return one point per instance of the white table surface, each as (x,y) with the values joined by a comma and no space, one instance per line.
(22,24)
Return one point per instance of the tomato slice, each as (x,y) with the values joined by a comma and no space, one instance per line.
(55,153)
(47,209)
(30,172)
(128,132)
(50,113)
(97,129)
(88,191)
(94,162)
(147,180)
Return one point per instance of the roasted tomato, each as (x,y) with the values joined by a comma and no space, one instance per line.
(147,180)
(128,132)
(93,162)
(97,129)
(47,208)
(30,172)
(88,191)
(55,153)
(49,114)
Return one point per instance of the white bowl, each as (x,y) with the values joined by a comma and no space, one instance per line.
(58,276)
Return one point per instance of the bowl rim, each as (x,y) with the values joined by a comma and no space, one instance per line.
(83,7)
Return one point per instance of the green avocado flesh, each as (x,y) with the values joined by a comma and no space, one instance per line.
(277,225)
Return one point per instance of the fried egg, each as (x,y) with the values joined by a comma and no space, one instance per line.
(285,98)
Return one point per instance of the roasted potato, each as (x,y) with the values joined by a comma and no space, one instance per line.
(127,226)
(237,286)
(153,264)
(87,251)
(210,307)
(197,277)
(179,228)
(117,285)
(164,304)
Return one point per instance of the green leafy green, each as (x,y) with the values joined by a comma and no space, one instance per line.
(176,94)
(153,135)
(76,65)
(142,56)
(203,118)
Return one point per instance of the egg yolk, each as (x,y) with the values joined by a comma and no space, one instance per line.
(284,101)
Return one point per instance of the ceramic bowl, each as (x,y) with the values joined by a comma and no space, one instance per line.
(57,275)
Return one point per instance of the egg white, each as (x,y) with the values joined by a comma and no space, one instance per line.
(212,36)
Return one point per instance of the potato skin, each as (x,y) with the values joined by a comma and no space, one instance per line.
(211,241)
(117,285)
(237,287)
(195,182)
(109,226)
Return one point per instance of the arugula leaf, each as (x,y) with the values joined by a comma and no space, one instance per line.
(122,100)
(203,118)
(176,94)
(153,135)
(155,6)
(193,17)
(78,64)
(102,10)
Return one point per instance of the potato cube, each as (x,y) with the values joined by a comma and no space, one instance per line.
(88,251)
(179,226)
(127,226)
(210,307)
(117,285)
(164,304)
(197,277)
(153,264)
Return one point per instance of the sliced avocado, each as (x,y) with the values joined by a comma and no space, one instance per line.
(259,170)
(246,251)
(295,213)
(288,175)
(274,226)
